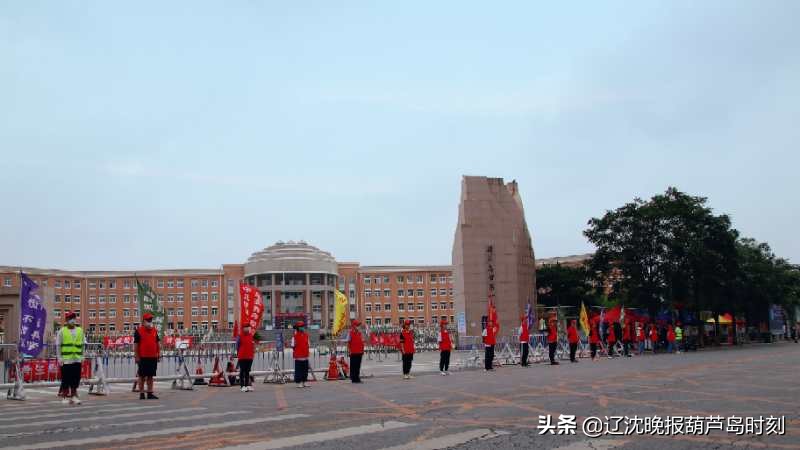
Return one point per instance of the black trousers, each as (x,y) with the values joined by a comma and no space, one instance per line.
(594,350)
(355,367)
(523,349)
(444,360)
(407,359)
(489,357)
(572,349)
(244,372)
(300,370)
(70,379)
(552,347)
(610,348)
(626,347)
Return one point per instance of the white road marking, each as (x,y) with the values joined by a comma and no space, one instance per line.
(72,411)
(105,426)
(303,439)
(594,444)
(137,435)
(450,440)
(90,418)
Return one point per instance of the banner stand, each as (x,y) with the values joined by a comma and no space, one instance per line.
(276,375)
(185,382)
(18,391)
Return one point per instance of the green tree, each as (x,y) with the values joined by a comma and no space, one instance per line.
(564,285)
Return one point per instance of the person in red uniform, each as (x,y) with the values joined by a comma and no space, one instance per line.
(246,346)
(355,345)
(572,337)
(445,346)
(407,349)
(552,341)
(611,340)
(640,337)
(300,355)
(670,339)
(626,337)
(489,340)
(594,336)
(524,338)
(653,337)
(146,352)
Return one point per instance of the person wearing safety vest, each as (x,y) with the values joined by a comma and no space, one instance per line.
(69,348)
(594,336)
(611,340)
(572,337)
(246,344)
(678,337)
(300,354)
(552,341)
(524,338)
(489,340)
(407,349)
(355,346)
(146,351)
(445,346)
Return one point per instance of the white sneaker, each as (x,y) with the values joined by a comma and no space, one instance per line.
(405,377)
(65,401)
(249,388)
(299,385)
(76,400)
(443,374)
(306,385)
(243,389)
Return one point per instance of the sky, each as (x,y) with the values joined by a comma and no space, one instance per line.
(138,135)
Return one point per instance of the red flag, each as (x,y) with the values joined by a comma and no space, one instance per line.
(235,329)
(612,315)
(492,315)
(252,306)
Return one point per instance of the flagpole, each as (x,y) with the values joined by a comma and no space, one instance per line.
(20,355)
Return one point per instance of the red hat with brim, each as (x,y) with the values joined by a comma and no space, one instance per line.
(147,316)
(407,322)
(355,322)
(299,324)
(70,315)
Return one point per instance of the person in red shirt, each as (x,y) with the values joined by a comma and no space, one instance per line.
(146,351)
(407,349)
(670,339)
(626,338)
(489,340)
(245,344)
(524,338)
(594,336)
(572,337)
(300,355)
(653,337)
(355,345)
(640,337)
(445,346)
(611,340)
(552,341)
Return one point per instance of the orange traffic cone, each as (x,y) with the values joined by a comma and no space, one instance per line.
(217,376)
(333,369)
(199,371)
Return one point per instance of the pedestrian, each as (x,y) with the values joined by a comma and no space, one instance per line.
(552,341)
(594,337)
(445,346)
(355,346)
(627,335)
(244,353)
(678,337)
(69,348)
(489,341)
(524,338)
(300,354)
(653,337)
(611,341)
(640,338)
(796,331)
(407,349)
(670,339)
(572,337)
(146,350)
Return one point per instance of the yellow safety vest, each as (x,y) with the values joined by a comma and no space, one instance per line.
(678,334)
(71,346)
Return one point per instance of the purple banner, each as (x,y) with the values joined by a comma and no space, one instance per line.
(33,318)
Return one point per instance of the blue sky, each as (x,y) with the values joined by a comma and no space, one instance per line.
(190,134)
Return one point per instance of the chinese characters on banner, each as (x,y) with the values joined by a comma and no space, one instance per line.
(148,302)
(252,306)
(33,318)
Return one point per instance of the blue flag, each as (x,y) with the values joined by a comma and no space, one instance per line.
(530,314)
(33,318)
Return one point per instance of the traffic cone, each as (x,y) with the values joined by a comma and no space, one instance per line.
(199,371)
(333,369)
(344,369)
(217,376)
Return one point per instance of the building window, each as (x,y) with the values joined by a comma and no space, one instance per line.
(126,299)
(377,279)
(420,280)
(433,278)
(401,319)
(433,292)
(170,299)
(450,292)
(401,306)
(410,293)
(442,292)
(194,326)
(195,284)
(368,321)
(387,321)
(214,283)
(180,312)
(170,284)
(442,279)
(126,284)
(92,285)
(203,311)
(56,313)
(92,299)
(102,300)
(420,306)
(179,283)
(204,296)
(179,298)
(67,284)
(386,278)
(195,297)
(214,312)
(433,305)
(409,279)
(400,279)
(112,313)
(400,292)
(377,292)
(451,305)
(367,280)
(112,299)
(58,283)
(377,307)
(443,305)
(112,284)
(420,293)
(195,312)
(387,293)
(180,326)
(420,321)
(101,284)
(126,313)
(57,299)
(76,299)
(101,314)
(367,292)
(204,283)
(387,306)
(368,307)
(410,306)
(160,283)
(214,297)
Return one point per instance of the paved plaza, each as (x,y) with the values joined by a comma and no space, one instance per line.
(470,409)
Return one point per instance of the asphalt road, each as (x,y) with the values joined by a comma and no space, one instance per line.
(469,409)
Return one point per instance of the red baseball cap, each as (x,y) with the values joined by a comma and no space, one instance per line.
(299,324)
(355,322)
(147,316)
(70,315)
(407,322)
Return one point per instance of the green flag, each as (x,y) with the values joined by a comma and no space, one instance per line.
(148,302)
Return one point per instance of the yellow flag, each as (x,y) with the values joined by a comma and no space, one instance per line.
(584,320)
(340,310)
